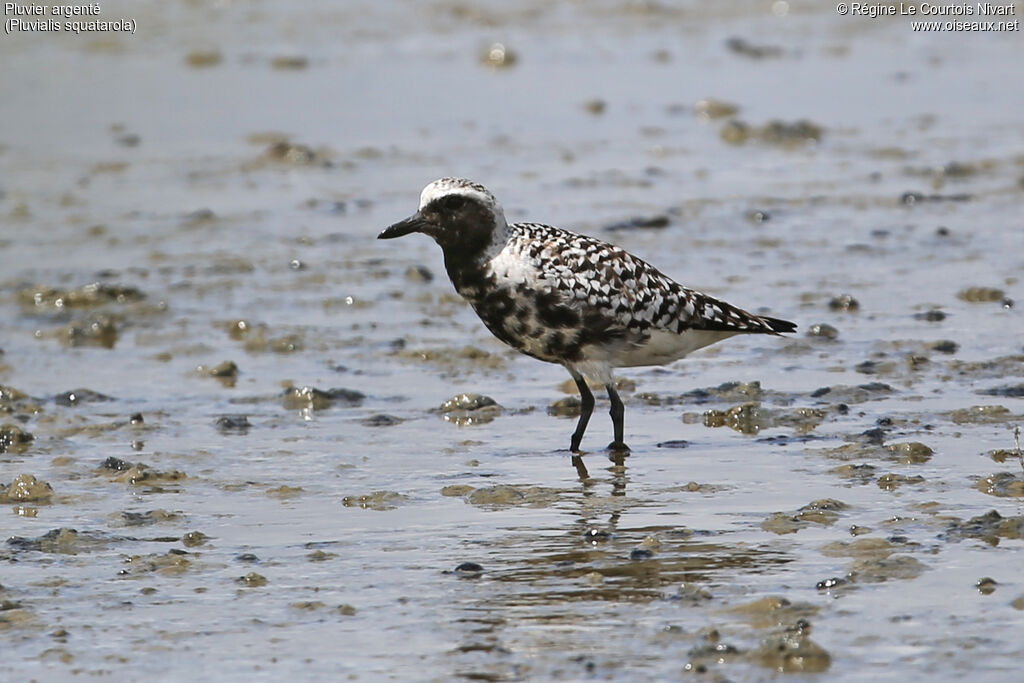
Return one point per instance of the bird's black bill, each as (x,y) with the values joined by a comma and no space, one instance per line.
(413,223)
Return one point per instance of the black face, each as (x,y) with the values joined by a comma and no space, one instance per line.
(455,221)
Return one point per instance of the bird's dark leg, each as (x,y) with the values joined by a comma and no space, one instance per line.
(586,410)
(617,412)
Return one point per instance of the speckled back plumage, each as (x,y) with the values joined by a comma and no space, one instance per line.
(572,299)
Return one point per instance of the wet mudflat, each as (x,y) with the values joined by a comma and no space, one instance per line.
(240,435)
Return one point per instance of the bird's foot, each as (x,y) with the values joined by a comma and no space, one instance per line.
(618,447)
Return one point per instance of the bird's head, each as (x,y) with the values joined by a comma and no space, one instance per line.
(458,213)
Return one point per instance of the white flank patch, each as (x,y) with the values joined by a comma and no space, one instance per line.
(512,267)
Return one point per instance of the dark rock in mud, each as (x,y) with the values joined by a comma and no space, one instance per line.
(986,585)
(170,563)
(320,556)
(981,294)
(90,295)
(641,223)
(1003,485)
(225,370)
(252,580)
(79,396)
(823,331)
(455,490)
(285,491)
(824,512)
(199,217)
(418,273)
(995,414)
(62,541)
(98,329)
(775,611)
(470,409)
(468,570)
(830,584)
(381,420)
(857,394)
(879,570)
(862,548)
(595,106)
(872,367)
(309,605)
(893,481)
(997,368)
(910,452)
(727,392)
(876,436)
(378,500)
(16,401)
(675,443)
(858,473)
(736,132)
(141,473)
(194,539)
(990,527)
(844,302)
(14,439)
(294,154)
(1007,390)
(569,406)
(751,418)
(512,495)
(156,516)
(233,424)
(641,554)
(26,489)
(289,62)
(116,464)
(746,418)
(203,59)
(692,594)
(743,47)
(311,398)
(702,658)
(792,651)
(933,315)
(781,133)
(912,198)
(1004,454)
(710,108)
(945,346)
(791,133)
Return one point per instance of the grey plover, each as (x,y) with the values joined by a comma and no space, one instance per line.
(567,298)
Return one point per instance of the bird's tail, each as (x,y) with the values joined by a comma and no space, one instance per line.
(778,325)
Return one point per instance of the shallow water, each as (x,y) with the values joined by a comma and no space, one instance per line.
(234,163)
